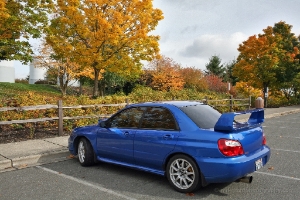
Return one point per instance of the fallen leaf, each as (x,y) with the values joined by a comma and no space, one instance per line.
(71,156)
(190,194)
(23,166)
(270,168)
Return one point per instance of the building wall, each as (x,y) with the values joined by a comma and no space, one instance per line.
(36,74)
(7,71)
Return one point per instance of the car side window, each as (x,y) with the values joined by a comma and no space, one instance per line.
(158,118)
(129,118)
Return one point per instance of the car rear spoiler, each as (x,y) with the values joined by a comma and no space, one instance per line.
(226,122)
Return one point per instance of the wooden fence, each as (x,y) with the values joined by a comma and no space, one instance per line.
(231,101)
(60,108)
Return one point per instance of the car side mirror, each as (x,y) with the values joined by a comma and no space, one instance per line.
(102,124)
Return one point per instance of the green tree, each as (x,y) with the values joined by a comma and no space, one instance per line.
(229,77)
(214,67)
(111,83)
(288,66)
(20,21)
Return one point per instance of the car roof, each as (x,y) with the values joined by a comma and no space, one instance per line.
(174,103)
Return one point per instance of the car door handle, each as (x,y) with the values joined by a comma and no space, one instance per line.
(168,136)
(126,133)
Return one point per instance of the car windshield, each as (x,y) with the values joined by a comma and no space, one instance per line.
(204,116)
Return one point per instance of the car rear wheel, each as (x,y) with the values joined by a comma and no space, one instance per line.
(85,152)
(183,173)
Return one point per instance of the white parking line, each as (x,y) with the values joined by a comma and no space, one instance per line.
(288,128)
(86,183)
(281,136)
(287,177)
(285,150)
(289,137)
(282,127)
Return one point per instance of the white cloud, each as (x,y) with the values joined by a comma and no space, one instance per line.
(205,46)
(194,30)
(196,52)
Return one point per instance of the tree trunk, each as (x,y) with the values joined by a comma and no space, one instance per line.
(82,80)
(65,87)
(95,89)
(80,88)
(102,88)
(62,87)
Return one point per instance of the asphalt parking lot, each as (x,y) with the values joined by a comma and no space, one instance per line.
(279,179)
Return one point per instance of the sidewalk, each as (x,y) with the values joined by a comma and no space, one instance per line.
(35,152)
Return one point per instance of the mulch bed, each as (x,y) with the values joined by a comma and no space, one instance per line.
(9,135)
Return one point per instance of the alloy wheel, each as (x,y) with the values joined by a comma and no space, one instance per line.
(182,173)
(81,152)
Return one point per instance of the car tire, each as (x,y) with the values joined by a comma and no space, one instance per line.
(85,152)
(183,173)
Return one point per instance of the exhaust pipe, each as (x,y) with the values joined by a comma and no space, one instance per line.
(245,179)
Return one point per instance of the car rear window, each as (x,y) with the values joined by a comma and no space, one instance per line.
(204,116)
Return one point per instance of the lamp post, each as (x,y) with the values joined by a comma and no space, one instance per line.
(266,95)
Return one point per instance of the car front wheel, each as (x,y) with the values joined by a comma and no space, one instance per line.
(183,174)
(85,152)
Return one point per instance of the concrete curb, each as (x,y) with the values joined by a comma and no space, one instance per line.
(33,160)
(40,159)
(282,113)
(5,164)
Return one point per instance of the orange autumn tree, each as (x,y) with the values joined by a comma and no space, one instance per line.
(4,15)
(165,74)
(246,90)
(257,62)
(269,59)
(193,78)
(215,83)
(107,35)
(60,65)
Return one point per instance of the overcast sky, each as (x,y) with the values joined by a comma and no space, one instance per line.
(194,30)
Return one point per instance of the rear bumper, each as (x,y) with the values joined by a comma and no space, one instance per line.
(221,170)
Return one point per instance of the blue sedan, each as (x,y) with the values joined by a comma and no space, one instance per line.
(190,143)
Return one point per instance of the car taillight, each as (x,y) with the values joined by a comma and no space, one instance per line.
(264,142)
(230,147)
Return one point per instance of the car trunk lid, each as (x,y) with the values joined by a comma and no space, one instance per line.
(248,133)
